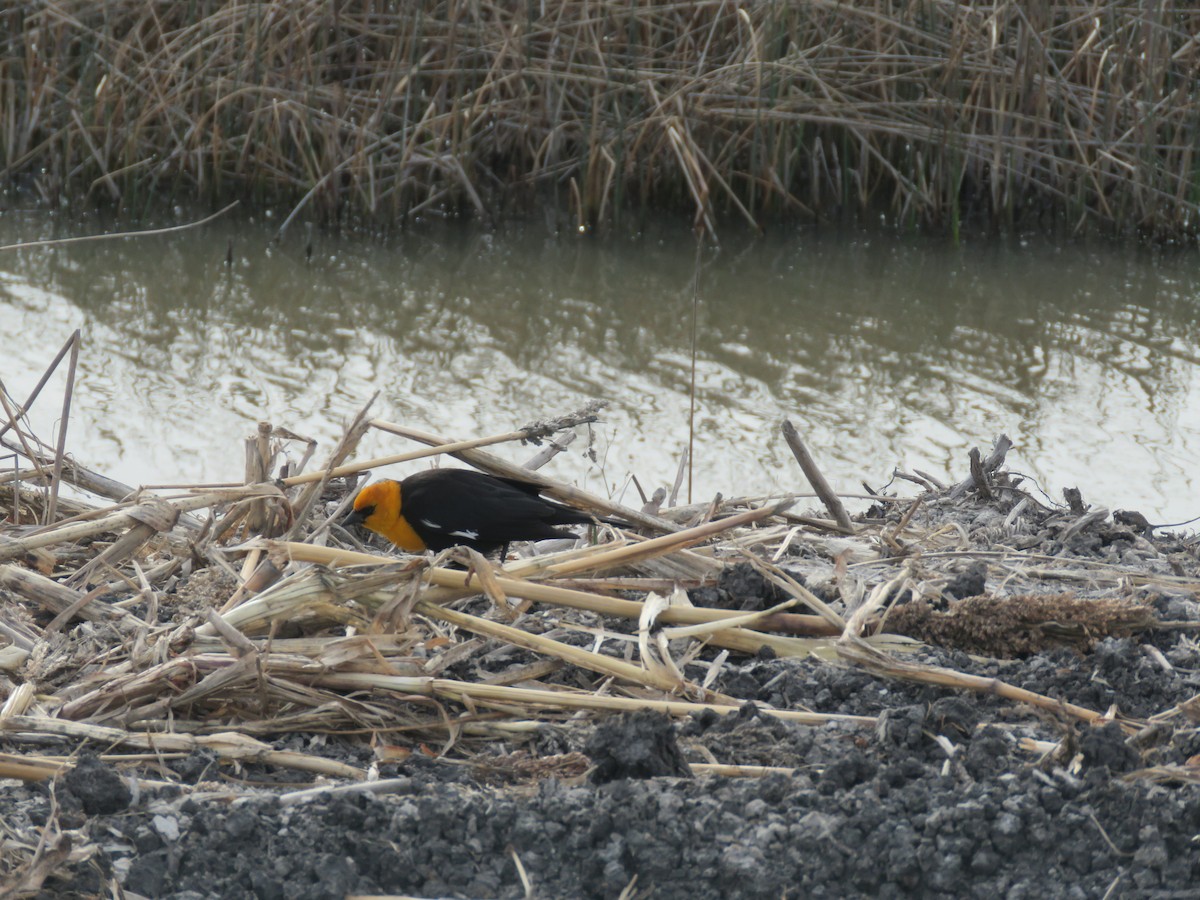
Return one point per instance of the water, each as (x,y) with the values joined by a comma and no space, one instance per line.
(883,351)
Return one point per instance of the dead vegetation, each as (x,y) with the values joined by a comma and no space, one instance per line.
(218,617)
(1008,627)
(215,621)
(1080,112)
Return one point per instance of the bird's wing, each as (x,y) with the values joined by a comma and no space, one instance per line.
(484,510)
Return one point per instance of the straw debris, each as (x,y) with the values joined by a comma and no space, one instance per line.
(242,625)
(1007,627)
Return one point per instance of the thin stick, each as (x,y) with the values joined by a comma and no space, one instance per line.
(59,242)
(363,465)
(227,744)
(60,448)
(660,545)
(451,447)
(37,388)
(736,771)
(854,649)
(815,478)
(489,693)
(691,451)
(344,449)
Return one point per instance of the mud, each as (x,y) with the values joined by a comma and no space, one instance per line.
(888,812)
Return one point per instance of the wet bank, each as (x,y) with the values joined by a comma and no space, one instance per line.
(1066,771)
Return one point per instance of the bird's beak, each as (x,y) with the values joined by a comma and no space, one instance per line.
(354,517)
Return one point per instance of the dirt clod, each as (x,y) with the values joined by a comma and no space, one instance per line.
(97,786)
(641,744)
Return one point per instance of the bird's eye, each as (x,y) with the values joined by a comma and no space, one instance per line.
(367,511)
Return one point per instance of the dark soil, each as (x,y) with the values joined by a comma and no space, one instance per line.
(882,813)
(873,822)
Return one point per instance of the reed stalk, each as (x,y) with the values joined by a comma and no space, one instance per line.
(312,636)
(930,113)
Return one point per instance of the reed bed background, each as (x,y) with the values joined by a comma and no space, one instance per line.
(1072,113)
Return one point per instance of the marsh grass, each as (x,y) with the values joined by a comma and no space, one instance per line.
(926,112)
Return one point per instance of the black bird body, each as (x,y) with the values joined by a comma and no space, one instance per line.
(442,508)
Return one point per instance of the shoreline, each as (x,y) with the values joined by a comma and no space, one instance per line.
(367,726)
(726,116)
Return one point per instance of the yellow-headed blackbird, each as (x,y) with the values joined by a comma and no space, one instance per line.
(444,508)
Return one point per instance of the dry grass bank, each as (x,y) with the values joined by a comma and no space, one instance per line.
(1085,112)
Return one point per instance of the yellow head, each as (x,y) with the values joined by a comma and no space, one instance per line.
(377,507)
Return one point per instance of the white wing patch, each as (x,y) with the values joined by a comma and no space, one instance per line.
(466,534)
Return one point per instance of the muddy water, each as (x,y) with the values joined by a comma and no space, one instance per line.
(884,351)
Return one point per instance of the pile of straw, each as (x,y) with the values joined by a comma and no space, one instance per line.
(1072,111)
(219,617)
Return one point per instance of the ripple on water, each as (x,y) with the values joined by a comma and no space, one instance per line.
(882,350)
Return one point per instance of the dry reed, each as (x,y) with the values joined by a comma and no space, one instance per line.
(135,628)
(1082,110)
